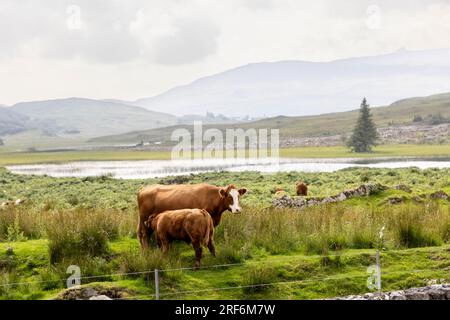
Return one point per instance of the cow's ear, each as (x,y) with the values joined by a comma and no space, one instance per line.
(242,191)
(230,187)
(223,192)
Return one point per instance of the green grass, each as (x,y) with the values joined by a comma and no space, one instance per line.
(402,150)
(295,276)
(10,158)
(46,193)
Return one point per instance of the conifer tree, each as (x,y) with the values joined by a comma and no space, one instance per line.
(365,132)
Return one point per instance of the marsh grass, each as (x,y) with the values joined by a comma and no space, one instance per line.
(318,230)
(82,233)
(257,278)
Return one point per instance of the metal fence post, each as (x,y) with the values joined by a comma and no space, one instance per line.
(380,246)
(156,285)
(378,272)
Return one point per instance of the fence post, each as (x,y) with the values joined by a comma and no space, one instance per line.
(378,272)
(156,285)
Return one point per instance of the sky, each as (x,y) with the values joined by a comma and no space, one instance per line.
(132,49)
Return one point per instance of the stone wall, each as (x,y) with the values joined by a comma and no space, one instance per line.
(363,190)
(433,292)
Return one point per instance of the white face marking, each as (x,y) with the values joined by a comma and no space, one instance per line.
(235,206)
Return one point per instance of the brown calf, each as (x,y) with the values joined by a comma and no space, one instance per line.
(194,226)
(302,189)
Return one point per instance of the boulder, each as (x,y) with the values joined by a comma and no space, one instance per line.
(397,295)
(439,195)
(100,297)
(403,187)
(432,292)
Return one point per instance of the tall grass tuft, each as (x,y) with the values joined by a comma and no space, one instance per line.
(257,279)
(80,233)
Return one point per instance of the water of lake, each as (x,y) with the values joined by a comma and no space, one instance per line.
(161,168)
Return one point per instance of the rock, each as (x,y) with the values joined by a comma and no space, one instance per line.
(85,293)
(100,297)
(397,295)
(439,195)
(88,292)
(447,293)
(432,292)
(437,292)
(416,295)
(341,197)
(394,200)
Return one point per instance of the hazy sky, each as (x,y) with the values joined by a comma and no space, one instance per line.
(138,48)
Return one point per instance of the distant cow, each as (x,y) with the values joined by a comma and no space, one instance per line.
(302,189)
(154,199)
(194,226)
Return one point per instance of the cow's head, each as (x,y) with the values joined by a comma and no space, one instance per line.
(230,196)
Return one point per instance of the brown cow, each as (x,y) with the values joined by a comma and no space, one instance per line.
(152,200)
(302,189)
(194,226)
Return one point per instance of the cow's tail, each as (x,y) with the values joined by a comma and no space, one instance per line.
(209,228)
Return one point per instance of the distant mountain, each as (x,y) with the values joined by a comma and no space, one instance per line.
(403,112)
(82,117)
(298,88)
(11,122)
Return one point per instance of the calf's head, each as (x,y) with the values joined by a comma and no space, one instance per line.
(230,197)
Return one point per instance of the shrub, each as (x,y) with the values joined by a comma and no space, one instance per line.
(77,235)
(417,229)
(135,261)
(14,233)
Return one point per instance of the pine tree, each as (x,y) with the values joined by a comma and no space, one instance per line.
(365,132)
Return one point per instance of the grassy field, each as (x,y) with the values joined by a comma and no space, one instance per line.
(317,252)
(399,113)
(9,158)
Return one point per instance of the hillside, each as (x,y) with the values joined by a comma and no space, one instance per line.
(84,117)
(301,88)
(400,112)
(11,122)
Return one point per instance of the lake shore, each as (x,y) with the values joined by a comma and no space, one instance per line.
(424,152)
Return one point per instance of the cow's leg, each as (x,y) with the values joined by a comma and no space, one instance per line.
(198,253)
(143,235)
(211,247)
(164,246)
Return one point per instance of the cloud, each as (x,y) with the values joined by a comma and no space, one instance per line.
(192,41)
(112,33)
(140,42)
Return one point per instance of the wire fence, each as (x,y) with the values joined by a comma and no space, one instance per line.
(124,274)
(303,281)
(157,272)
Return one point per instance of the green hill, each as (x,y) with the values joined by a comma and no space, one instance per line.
(88,118)
(398,113)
